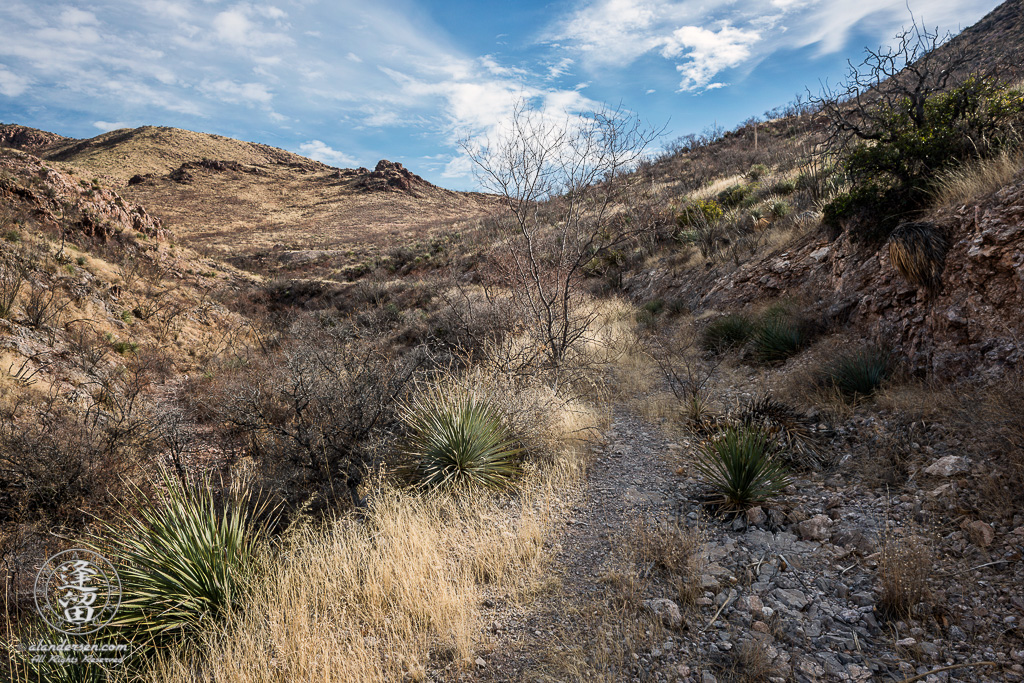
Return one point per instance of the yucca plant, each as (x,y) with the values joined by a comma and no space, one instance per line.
(741,464)
(777,338)
(918,252)
(790,429)
(727,332)
(458,440)
(184,558)
(858,374)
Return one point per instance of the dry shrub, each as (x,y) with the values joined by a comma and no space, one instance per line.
(904,565)
(993,419)
(676,551)
(751,663)
(973,181)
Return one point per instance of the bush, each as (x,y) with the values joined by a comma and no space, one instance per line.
(734,195)
(757,171)
(777,337)
(793,431)
(457,441)
(183,559)
(908,147)
(740,463)
(779,209)
(918,252)
(858,374)
(727,332)
(700,213)
(784,187)
(12,236)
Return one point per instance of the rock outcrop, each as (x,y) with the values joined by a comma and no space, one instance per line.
(28,139)
(391,176)
(971,320)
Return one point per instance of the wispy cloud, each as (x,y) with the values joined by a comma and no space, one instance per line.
(320,151)
(703,40)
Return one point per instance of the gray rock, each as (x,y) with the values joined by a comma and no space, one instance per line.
(666,610)
(791,598)
(947,466)
(817,528)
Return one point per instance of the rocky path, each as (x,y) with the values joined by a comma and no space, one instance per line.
(789,593)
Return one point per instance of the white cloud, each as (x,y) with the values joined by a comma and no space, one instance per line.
(237,27)
(353,57)
(708,52)
(320,151)
(11,84)
(107,126)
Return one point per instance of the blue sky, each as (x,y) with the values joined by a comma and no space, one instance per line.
(349,83)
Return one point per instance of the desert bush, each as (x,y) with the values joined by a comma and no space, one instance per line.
(12,278)
(457,440)
(42,306)
(734,196)
(184,558)
(918,252)
(315,414)
(777,337)
(727,332)
(906,144)
(904,565)
(783,187)
(779,208)
(58,461)
(757,171)
(742,466)
(859,374)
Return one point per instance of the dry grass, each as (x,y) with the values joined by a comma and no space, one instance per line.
(973,181)
(397,593)
(904,565)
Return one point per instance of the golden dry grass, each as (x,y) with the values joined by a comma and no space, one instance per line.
(973,181)
(398,592)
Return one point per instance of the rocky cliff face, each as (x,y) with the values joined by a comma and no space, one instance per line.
(973,320)
(52,197)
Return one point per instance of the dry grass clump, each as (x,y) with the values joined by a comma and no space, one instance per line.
(676,550)
(972,181)
(904,565)
(918,252)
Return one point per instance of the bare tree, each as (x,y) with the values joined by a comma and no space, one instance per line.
(902,77)
(561,183)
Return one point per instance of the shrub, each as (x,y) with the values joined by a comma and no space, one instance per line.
(12,278)
(699,213)
(757,171)
(734,195)
(793,431)
(457,440)
(918,252)
(12,236)
(777,337)
(784,187)
(779,209)
(740,463)
(858,374)
(727,332)
(184,558)
(907,147)
(904,565)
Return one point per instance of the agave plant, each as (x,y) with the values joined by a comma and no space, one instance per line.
(741,464)
(458,440)
(183,558)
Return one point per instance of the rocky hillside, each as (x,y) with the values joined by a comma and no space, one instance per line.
(268,209)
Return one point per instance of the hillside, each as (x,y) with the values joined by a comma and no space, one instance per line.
(263,207)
